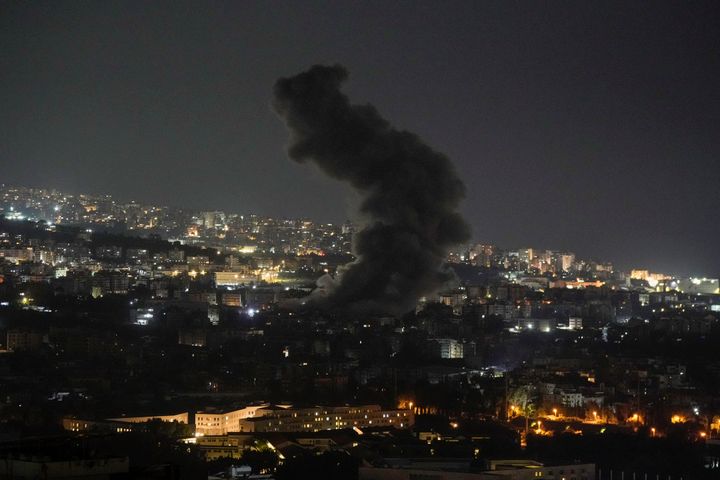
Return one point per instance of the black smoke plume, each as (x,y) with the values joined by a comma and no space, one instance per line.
(410,193)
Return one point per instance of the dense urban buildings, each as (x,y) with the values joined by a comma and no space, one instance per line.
(120,321)
(252,240)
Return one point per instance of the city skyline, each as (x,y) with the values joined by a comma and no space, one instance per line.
(575,126)
(461,249)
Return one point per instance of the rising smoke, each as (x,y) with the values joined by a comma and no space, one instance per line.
(410,193)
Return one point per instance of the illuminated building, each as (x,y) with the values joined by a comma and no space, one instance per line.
(575,323)
(454,300)
(233,445)
(705,286)
(235,279)
(571,399)
(17,255)
(264,418)
(450,348)
(326,418)
(142,316)
(212,219)
(652,278)
(232,299)
(223,422)
(526,255)
(639,274)
(565,261)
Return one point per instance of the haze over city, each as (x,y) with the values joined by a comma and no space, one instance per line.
(581,126)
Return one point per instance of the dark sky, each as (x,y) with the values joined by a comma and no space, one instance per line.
(590,126)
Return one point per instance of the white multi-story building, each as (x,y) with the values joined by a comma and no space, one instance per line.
(450,348)
(326,418)
(222,422)
(266,418)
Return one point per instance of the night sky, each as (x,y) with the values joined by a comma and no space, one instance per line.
(589,126)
